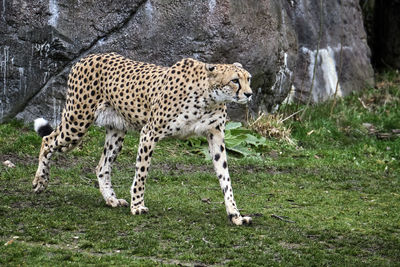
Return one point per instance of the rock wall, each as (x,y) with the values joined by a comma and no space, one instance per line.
(274,40)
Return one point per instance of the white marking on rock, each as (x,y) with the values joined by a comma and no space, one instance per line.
(290,97)
(3,13)
(102,41)
(325,61)
(282,75)
(21,79)
(4,67)
(328,66)
(148,9)
(211,5)
(4,59)
(54,11)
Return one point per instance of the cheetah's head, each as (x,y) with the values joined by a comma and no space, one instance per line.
(229,83)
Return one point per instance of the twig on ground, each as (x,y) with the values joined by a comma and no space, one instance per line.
(362,103)
(288,117)
(281,218)
(257,120)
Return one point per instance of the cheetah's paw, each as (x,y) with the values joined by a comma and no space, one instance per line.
(239,220)
(115,202)
(139,210)
(39,185)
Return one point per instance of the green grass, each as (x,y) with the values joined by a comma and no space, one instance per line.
(337,191)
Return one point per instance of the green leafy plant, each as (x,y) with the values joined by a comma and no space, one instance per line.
(241,141)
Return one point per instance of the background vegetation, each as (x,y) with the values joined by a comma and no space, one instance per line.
(326,193)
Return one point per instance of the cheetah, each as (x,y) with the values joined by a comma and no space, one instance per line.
(188,98)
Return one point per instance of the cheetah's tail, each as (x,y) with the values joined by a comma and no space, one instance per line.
(42,127)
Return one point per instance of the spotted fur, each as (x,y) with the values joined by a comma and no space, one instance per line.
(188,98)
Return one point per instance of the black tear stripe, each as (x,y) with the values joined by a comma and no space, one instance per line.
(237,92)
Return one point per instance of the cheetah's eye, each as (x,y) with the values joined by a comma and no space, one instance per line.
(235,81)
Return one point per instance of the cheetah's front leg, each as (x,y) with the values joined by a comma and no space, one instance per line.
(145,150)
(218,153)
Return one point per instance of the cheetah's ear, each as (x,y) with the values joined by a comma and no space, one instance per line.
(210,67)
(237,64)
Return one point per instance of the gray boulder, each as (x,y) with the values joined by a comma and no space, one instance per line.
(343,49)
(274,40)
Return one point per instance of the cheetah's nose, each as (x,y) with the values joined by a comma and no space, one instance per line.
(248,95)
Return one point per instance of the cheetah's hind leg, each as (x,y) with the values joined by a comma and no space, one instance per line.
(43,128)
(112,147)
(58,140)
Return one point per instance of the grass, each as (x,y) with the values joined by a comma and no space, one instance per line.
(331,200)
